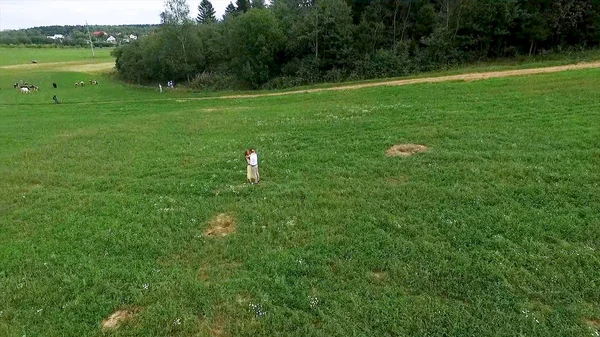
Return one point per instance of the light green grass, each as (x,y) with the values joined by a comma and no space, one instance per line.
(493,232)
(13,56)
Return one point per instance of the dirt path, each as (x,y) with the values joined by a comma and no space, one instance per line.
(462,77)
(75,66)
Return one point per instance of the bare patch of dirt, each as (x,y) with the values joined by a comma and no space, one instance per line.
(378,275)
(243,299)
(593,323)
(405,150)
(218,327)
(118,317)
(220,226)
(203,275)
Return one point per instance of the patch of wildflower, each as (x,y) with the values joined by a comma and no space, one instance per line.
(257,309)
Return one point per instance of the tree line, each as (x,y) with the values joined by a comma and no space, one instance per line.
(73,35)
(295,42)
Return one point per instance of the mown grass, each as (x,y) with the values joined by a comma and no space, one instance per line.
(493,232)
(13,56)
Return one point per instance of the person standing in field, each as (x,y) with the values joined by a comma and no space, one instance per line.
(160,88)
(248,169)
(253,161)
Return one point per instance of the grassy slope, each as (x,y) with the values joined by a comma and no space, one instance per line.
(495,231)
(11,56)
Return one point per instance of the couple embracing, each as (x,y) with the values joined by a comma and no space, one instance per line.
(252,167)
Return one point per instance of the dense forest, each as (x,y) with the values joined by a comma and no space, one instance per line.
(74,35)
(294,42)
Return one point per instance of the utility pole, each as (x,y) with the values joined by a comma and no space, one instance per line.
(90,37)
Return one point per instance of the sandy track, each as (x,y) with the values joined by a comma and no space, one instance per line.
(462,77)
(75,66)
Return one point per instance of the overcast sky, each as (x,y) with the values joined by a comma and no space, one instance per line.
(16,14)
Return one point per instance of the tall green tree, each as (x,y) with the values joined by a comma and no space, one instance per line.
(179,40)
(230,10)
(258,4)
(242,5)
(255,38)
(177,12)
(327,28)
(206,12)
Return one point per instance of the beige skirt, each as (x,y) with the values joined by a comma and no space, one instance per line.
(248,172)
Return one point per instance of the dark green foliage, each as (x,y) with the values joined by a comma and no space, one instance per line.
(242,5)
(322,40)
(258,4)
(206,12)
(254,39)
(230,10)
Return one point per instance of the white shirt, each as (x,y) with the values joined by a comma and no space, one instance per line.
(253,159)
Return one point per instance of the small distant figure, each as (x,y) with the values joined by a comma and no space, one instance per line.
(248,167)
(91,82)
(16,85)
(76,84)
(95,82)
(82,83)
(55,100)
(160,88)
(171,84)
(24,90)
(34,61)
(253,161)
(54,85)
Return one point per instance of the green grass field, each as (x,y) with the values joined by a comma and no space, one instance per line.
(495,231)
(12,56)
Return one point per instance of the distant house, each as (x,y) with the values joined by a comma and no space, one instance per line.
(56,37)
(132,37)
(100,33)
(111,39)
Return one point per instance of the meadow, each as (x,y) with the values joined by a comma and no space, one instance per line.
(495,231)
(13,56)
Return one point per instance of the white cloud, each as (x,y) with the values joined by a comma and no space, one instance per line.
(16,14)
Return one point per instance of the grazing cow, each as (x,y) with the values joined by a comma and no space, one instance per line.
(91,82)
(24,90)
(16,86)
(81,83)
(33,88)
(95,82)
(54,85)
(55,99)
